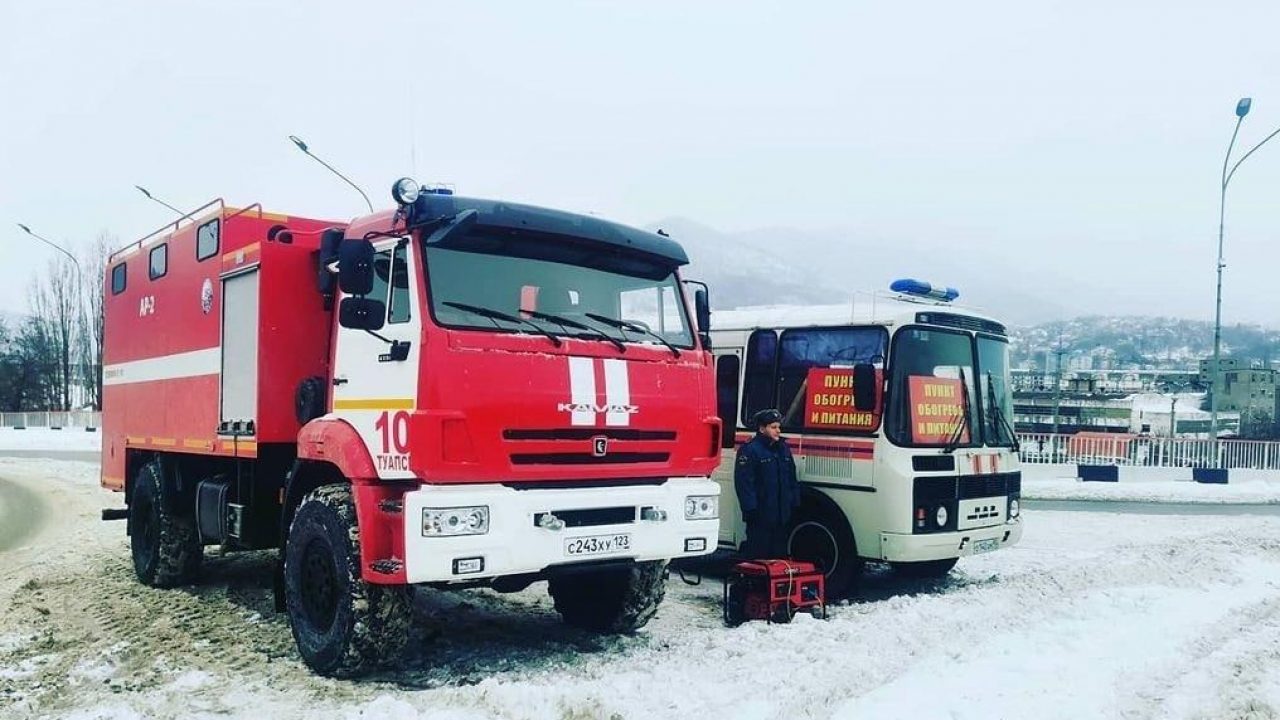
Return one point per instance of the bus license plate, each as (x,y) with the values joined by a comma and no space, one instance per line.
(986,545)
(597,544)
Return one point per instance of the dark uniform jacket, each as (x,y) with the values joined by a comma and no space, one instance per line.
(764,477)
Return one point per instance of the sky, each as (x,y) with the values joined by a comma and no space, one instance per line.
(1075,145)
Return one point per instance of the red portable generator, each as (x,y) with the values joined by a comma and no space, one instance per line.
(773,590)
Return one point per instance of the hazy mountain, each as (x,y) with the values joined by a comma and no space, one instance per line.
(781,265)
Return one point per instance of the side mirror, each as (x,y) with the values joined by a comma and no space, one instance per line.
(702,308)
(864,387)
(330,244)
(355,267)
(361,313)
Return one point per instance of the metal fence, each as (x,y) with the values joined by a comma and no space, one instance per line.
(1149,451)
(72,419)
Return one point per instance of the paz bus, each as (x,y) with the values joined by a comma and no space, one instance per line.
(898,410)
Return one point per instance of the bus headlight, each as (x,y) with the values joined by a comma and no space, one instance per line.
(1014,507)
(702,507)
(439,522)
(940,516)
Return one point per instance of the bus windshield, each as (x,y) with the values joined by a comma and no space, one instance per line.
(996,397)
(932,399)
(483,290)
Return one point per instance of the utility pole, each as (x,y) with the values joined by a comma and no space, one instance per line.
(1057,382)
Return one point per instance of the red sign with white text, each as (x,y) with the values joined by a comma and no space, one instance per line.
(936,406)
(828,401)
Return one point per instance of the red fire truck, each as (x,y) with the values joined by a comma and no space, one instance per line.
(454,392)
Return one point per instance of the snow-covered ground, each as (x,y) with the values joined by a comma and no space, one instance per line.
(1058,482)
(1095,615)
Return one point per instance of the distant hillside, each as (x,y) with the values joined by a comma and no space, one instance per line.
(786,265)
(1139,343)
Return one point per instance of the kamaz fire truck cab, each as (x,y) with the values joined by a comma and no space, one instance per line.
(456,391)
(898,410)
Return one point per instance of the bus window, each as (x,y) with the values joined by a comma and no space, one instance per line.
(815,378)
(728,369)
(759,389)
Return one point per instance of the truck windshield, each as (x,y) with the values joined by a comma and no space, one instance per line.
(932,398)
(996,397)
(560,296)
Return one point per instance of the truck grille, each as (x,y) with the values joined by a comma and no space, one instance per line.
(591,517)
(586,458)
(587,434)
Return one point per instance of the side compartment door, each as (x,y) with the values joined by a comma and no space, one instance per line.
(239,363)
(373,390)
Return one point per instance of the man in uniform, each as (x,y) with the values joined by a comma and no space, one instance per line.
(764,477)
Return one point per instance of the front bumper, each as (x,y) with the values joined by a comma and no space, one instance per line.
(900,547)
(515,545)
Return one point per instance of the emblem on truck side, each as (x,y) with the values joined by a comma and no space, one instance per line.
(584,406)
(206,296)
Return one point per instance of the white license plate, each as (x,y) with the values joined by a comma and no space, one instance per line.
(597,544)
(986,545)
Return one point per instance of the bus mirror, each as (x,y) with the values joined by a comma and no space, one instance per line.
(355,267)
(864,387)
(361,313)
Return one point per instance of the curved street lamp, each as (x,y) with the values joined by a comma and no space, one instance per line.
(1242,109)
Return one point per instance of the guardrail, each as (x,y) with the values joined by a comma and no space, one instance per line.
(1046,448)
(80,419)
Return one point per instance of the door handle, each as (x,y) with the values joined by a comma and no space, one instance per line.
(339,381)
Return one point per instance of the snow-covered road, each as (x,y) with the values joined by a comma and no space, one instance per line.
(1093,615)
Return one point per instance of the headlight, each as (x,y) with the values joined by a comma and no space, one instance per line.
(941,515)
(405,191)
(1014,508)
(702,507)
(438,522)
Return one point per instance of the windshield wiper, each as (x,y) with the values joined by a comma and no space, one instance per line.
(962,421)
(624,325)
(995,409)
(565,322)
(499,315)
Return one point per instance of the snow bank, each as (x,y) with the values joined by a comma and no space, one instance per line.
(73,439)
(1141,484)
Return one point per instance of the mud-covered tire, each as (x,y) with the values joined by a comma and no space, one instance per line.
(924,569)
(164,544)
(824,538)
(616,600)
(342,625)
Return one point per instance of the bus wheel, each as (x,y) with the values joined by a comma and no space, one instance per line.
(164,544)
(926,569)
(342,625)
(615,600)
(824,539)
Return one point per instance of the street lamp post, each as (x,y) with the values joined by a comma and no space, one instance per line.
(1242,109)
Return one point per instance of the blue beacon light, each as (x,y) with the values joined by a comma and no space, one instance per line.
(920,288)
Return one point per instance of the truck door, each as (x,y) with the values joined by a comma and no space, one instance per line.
(376,389)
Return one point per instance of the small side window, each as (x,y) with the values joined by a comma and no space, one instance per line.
(398,307)
(118,278)
(207,236)
(159,261)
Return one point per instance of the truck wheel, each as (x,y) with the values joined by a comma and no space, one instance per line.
(926,569)
(617,600)
(342,625)
(824,539)
(165,546)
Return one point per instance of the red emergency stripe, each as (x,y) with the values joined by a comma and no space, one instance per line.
(824,448)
